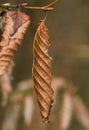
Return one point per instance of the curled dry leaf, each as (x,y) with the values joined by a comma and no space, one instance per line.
(15,27)
(42,71)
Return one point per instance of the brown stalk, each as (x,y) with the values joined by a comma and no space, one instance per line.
(11,118)
(15,27)
(28,109)
(81,112)
(42,71)
(65,111)
(6,86)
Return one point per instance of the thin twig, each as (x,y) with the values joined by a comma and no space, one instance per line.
(52,3)
(81,112)
(27,6)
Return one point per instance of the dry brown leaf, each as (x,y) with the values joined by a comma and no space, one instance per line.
(42,71)
(15,27)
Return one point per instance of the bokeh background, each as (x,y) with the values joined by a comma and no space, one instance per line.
(68,26)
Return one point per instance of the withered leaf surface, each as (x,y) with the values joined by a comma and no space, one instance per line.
(42,71)
(15,27)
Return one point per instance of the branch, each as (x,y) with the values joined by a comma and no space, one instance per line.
(52,3)
(27,6)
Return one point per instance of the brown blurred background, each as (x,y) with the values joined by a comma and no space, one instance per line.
(68,26)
